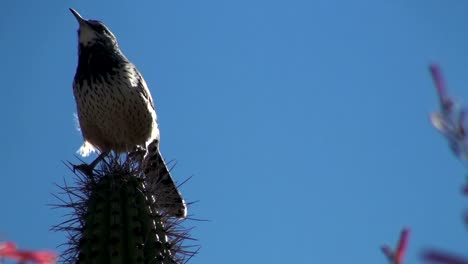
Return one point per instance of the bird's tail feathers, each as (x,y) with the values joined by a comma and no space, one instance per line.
(162,186)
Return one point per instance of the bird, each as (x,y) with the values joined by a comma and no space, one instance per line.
(116,112)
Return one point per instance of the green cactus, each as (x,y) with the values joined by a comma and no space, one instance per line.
(115,219)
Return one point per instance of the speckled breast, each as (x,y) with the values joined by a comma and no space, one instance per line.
(115,110)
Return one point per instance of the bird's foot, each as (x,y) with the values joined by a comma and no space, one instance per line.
(84,168)
(138,154)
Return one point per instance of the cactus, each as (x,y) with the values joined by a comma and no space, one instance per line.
(115,219)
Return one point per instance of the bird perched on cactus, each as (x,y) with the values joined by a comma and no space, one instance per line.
(116,111)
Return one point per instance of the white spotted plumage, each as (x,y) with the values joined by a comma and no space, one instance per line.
(115,115)
(116,110)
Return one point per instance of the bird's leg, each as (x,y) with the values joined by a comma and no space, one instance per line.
(87,169)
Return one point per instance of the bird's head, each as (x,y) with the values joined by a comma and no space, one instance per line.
(93,32)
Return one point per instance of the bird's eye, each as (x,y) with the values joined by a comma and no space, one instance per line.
(102,27)
(98,27)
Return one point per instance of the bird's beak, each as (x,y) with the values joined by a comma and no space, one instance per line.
(78,17)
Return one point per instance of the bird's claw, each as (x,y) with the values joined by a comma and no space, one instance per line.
(138,154)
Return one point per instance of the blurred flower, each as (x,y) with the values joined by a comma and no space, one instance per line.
(397,256)
(9,250)
(439,257)
(450,121)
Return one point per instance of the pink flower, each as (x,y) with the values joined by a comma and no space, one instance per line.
(397,256)
(8,250)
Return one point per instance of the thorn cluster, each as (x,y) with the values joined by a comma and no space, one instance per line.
(113,206)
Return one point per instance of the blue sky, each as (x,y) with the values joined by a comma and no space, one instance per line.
(303,123)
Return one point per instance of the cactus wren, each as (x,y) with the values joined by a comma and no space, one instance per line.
(116,111)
